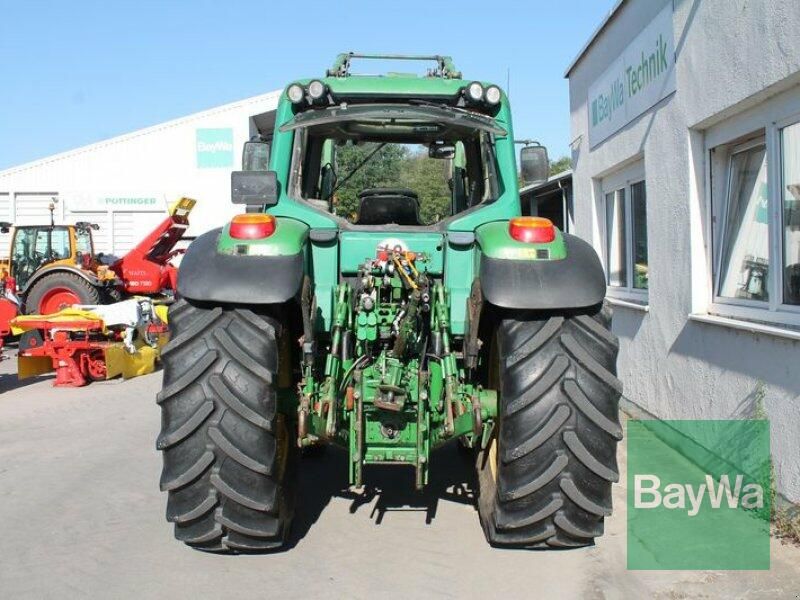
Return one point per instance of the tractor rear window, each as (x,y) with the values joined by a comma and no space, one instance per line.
(376,172)
(405,168)
(52,244)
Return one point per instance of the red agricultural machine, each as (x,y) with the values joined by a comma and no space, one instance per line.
(90,343)
(55,266)
(52,267)
(8,310)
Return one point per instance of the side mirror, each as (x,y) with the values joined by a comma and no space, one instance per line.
(441,150)
(86,226)
(255,156)
(534,164)
(258,188)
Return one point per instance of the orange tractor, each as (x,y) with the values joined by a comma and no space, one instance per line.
(54,266)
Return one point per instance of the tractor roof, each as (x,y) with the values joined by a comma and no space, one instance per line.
(399,84)
(442,83)
(444,64)
(442,79)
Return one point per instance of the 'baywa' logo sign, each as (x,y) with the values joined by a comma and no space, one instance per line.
(214,148)
(698,494)
(639,77)
(685,496)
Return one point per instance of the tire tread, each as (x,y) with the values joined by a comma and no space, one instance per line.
(219,430)
(558,432)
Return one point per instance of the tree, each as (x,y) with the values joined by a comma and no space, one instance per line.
(382,170)
(560,164)
(394,165)
(428,177)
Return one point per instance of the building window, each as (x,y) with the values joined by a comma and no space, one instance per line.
(639,228)
(626,238)
(744,262)
(755,225)
(790,178)
(616,236)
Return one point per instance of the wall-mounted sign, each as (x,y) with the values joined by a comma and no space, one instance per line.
(639,78)
(112,201)
(214,148)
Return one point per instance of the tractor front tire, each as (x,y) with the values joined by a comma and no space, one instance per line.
(229,456)
(545,476)
(59,290)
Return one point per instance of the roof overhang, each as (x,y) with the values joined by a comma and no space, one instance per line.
(556,181)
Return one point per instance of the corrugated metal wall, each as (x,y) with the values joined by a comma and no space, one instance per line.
(130,227)
(34,208)
(5,215)
(118,231)
(101,236)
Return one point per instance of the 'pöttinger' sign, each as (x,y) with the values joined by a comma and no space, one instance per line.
(641,76)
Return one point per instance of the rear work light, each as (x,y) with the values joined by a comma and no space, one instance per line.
(474,91)
(295,93)
(532,230)
(252,226)
(316,89)
(492,95)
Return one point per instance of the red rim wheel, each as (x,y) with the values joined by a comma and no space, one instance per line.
(57,299)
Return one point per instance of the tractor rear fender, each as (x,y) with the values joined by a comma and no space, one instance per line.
(564,274)
(87,275)
(218,268)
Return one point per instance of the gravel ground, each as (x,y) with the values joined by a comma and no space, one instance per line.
(82,517)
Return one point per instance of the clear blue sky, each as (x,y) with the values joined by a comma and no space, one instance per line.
(77,72)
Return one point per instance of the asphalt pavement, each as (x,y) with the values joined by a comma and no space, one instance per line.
(82,517)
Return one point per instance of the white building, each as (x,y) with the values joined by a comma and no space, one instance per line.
(685,118)
(125,184)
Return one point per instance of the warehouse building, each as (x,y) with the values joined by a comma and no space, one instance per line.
(685,119)
(126,183)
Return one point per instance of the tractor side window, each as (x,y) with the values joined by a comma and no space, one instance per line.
(21,243)
(24,247)
(25,257)
(296,176)
(83,241)
(491,188)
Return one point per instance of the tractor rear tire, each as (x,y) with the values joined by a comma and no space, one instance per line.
(229,457)
(72,288)
(545,477)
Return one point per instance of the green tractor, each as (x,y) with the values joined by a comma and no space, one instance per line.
(345,308)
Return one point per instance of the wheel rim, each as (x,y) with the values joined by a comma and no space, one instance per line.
(57,299)
(493,457)
(494,383)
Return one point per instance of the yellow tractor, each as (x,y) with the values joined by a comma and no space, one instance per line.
(53,266)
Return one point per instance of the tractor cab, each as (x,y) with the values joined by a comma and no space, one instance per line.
(37,246)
